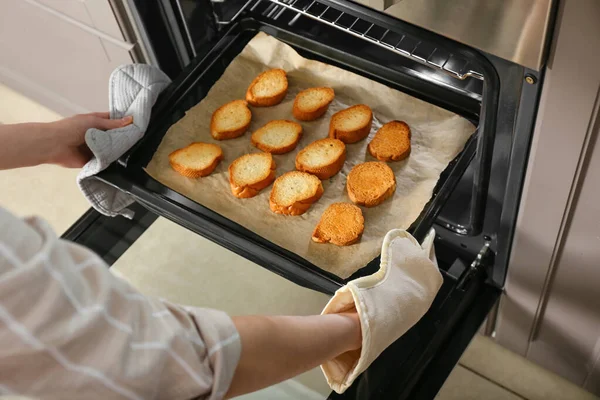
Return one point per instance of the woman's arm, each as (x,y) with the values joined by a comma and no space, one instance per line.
(278,348)
(60,142)
(100,338)
(24,145)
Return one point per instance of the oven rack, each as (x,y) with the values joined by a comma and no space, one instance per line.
(400,43)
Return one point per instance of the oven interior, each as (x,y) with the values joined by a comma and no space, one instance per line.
(479,210)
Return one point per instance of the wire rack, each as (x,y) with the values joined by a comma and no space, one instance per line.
(420,51)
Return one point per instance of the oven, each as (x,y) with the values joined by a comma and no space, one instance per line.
(474,205)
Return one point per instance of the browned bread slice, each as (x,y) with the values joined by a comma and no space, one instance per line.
(251,173)
(268,88)
(352,124)
(341,224)
(196,160)
(391,142)
(230,120)
(311,103)
(294,192)
(370,183)
(278,137)
(322,158)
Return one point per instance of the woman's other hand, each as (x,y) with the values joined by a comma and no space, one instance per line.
(69,149)
(60,142)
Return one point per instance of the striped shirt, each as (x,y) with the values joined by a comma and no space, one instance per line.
(71,329)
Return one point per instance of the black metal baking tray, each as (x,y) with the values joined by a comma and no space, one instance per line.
(194,84)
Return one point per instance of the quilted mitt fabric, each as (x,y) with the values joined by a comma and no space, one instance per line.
(133,90)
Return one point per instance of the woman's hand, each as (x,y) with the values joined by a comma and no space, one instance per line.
(61,142)
(68,134)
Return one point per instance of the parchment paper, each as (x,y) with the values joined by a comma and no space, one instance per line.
(437,138)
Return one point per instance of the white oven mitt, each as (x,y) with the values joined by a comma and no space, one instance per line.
(389,302)
(133,90)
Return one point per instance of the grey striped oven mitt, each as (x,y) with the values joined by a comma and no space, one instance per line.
(133,90)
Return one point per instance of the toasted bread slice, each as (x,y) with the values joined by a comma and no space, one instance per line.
(230,120)
(370,183)
(251,173)
(268,88)
(352,124)
(341,224)
(196,160)
(391,142)
(311,103)
(278,137)
(294,192)
(322,158)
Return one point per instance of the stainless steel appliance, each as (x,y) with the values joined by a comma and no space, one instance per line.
(474,207)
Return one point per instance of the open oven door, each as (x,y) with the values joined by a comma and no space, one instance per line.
(416,365)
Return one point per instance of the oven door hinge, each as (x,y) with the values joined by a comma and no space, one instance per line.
(478,266)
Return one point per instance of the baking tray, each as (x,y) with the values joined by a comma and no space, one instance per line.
(194,84)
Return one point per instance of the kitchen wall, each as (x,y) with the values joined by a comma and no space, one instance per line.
(61,52)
